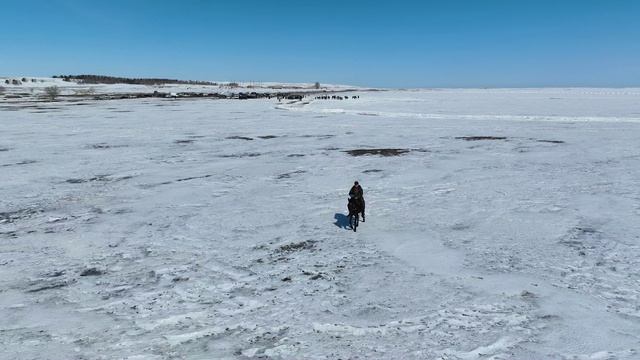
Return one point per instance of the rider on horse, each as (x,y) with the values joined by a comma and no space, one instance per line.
(357,195)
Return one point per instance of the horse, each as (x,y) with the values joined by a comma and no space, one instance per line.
(355,207)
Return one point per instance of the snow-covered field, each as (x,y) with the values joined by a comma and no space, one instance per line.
(216,229)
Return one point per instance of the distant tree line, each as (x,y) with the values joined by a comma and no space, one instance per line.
(102,79)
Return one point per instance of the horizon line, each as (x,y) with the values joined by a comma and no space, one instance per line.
(426,87)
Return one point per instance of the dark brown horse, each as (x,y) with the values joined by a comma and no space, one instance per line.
(355,207)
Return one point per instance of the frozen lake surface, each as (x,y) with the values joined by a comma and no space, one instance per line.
(216,229)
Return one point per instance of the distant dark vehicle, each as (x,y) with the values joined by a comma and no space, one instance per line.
(245,96)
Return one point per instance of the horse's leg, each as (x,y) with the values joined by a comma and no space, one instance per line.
(355,222)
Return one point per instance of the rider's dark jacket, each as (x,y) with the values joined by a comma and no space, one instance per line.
(356,192)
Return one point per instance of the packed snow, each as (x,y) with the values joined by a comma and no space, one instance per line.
(506,228)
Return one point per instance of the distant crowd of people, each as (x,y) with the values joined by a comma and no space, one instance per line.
(336,97)
(281,97)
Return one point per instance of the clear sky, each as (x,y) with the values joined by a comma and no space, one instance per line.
(391,43)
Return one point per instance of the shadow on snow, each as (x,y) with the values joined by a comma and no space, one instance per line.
(342,221)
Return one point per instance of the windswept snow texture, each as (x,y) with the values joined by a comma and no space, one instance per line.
(501,224)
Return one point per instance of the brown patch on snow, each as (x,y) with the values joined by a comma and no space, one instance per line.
(379,152)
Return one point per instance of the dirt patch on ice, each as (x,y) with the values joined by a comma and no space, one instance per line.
(194,178)
(371,171)
(322,137)
(379,152)
(149,186)
(299,246)
(580,238)
(9,234)
(267,137)
(551,141)
(240,138)
(4,149)
(184,141)
(241,155)
(48,284)
(295,155)
(11,216)
(92,271)
(99,178)
(481,138)
(53,273)
(23,162)
(103,146)
(289,174)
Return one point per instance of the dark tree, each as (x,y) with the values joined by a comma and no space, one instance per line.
(52,92)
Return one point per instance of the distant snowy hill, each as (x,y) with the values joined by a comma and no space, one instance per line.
(71,87)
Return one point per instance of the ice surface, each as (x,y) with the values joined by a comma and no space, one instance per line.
(215,229)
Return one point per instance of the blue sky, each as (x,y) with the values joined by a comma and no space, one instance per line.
(453,43)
